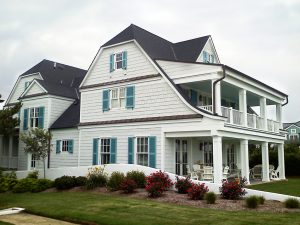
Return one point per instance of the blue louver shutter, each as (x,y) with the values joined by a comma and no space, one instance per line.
(111,63)
(58,143)
(212,58)
(124,60)
(41,117)
(113,150)
(152,151)
(70,146)
(95,151)
(205,56)
(105,100)
(194,97)
(25,119)
(130,98)
(130,150)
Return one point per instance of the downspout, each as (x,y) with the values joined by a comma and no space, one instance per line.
(287,101)
(214,88)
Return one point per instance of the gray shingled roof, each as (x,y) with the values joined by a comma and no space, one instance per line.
(69,119)
(286,125)
(159,48)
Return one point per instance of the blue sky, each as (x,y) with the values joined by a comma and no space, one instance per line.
(259,38)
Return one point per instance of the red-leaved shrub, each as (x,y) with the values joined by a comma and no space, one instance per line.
(182,185)
(128,185)
(157,183)
(233,189)
(197,191)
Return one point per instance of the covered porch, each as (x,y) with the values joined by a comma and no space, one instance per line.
(217,158)
(9,151)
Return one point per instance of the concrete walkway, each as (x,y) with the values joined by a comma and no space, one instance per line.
(28,219)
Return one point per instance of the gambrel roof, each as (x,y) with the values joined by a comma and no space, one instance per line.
(159,48)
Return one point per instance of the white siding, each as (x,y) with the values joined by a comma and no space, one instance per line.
(23,158)
(58,106)
(20,87)
(121,133)
(209,49)
(64,159)
(35,89)
(137,65)
(155,98)
(170,155)
(177,70)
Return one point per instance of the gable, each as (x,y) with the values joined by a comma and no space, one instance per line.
(210,49)
(19,87)
(34,89)
(137,65)
(293,127)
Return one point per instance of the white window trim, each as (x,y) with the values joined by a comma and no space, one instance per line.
(115,60)
(118,98)
(29,117)
(135,148)
(293,131)
(61,145)
(99,149)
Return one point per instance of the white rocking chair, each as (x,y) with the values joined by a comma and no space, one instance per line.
(274,174)
(208,173)
(225,172)
(192,174)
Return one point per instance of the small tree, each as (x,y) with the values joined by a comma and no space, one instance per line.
(7,122)
(37,142)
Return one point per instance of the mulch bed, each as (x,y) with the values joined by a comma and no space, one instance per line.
(182,199)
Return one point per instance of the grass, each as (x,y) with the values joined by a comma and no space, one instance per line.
(287,187)
(91,208)
(5,223)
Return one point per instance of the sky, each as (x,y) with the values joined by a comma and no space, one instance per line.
(259,38)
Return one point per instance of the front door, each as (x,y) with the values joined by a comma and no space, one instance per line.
(181,156)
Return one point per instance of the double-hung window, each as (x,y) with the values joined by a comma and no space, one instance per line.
(34,117)
(118,60)
(105,151)
(118,98)
(66,145)
(142,151)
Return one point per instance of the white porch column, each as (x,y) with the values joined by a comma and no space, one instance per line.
(245,159)
(10,149)
(281,161)
(243,105)
(217,97)
(217,159)
(162,141)
(265,161)
(263,112)
(279,115)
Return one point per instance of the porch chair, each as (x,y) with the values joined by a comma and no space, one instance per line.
(274,174)
(208,173)
(191,174)
(256,172)
(225,172)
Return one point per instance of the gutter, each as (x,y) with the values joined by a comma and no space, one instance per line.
(214,89)
(287,101)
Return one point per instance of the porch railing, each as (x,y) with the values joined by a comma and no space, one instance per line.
(236,117)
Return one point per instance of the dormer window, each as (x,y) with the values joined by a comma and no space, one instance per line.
(118,61)
(208,58)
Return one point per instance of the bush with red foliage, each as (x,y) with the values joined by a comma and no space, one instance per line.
(233,189)
(157,183)
(128,186)
(197,191)
(183,184)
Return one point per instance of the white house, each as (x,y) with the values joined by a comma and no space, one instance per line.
(147,101)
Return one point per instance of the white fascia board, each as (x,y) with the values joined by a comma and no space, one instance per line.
(253,86)
(31,84)
(197,77)
(174,89)
(46,96)
(17,82)
(96,59)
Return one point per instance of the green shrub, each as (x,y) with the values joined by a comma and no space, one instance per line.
(292,203)
(11,175)
(210,197)
(64,182)
(182,185)
(252,202)
(96,178)
(1,173)
(261,200)
(128,186)
(80,181)
(115,180)
(41,185)
(24,185)
(6,184)
(33,174)
(138,176)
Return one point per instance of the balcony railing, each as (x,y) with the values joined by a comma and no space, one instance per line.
(236,117)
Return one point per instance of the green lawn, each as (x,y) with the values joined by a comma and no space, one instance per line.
(288,187)
(4,223)
(104,209)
